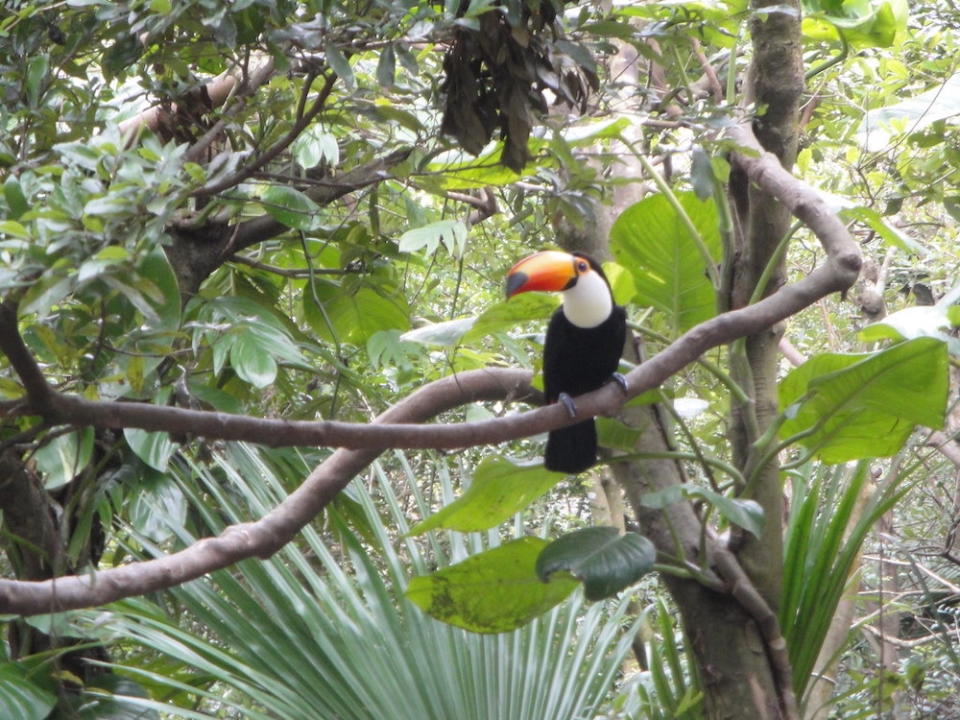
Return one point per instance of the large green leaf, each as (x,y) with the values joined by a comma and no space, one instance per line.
(601,558)
(500,488)
(154,448)
(252,361)
(506,315)
(494,591)
(291,207)
(846,407)
(354,315)
(651,241)
(935,321)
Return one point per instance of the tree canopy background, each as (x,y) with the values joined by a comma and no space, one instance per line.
(267,444)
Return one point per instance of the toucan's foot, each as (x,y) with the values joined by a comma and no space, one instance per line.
(568,403)
(621,381)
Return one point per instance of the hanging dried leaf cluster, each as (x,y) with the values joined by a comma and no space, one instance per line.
(497,69)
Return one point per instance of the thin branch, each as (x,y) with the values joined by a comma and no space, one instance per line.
(256,230)
(290,272)
(319,104)
(39,393)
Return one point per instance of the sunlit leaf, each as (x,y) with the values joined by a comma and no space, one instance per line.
(443,334)
(154,448)
(494,591)
(499,489)
(670,274)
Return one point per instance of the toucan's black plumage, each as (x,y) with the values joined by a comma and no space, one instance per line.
(583,344)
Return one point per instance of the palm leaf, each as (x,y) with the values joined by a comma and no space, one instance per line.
(321,630)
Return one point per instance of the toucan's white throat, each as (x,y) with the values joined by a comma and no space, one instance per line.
(588,302)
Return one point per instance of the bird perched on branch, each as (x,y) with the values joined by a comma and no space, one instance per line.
(583,345)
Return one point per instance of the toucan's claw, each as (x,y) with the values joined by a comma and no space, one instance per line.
(621,381)
(568,403)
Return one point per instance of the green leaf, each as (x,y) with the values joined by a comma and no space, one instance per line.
(621,283)
(12,227)
(37,68)
(873,23)
(747,514)
(291,207)
(451,233)
(865,405)
(20,697)
(650,239)
(165,302)
(157,506)
(605,561)
(16,201)
(457,170)
(876,222)
(252,361)
(494,591)
(507,315)
(355,316)
(500,488)
(64,457)
(313,146)
(49,290)
(154,448)
(387,67)
(340,65)
(612,433)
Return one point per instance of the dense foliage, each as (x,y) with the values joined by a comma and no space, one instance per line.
(305,211)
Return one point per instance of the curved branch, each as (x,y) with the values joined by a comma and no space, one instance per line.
(216,93)
(263,537)
(837,274)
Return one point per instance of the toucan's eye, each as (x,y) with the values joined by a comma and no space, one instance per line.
(582,266)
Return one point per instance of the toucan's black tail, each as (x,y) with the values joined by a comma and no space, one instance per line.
(572,449)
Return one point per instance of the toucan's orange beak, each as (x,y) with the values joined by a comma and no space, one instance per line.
(550,271)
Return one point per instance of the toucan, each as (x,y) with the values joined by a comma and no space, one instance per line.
(582,348)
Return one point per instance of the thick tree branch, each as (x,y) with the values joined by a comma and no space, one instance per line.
(215,93)
(263,537)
